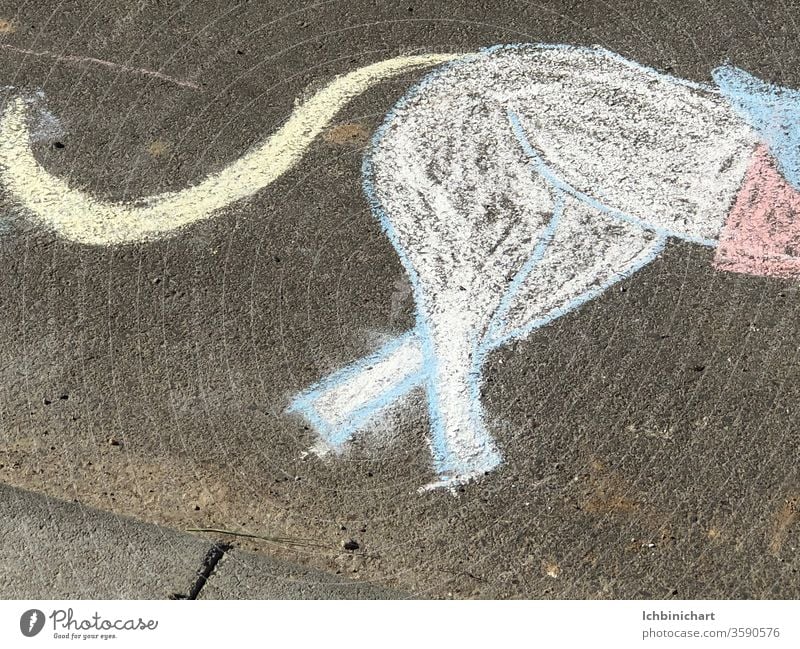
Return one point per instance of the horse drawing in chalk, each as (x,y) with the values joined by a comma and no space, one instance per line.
(515,184)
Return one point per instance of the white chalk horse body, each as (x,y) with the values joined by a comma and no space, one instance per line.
(515,184)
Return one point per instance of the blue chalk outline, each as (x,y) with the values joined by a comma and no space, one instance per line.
(497,324)
(447,463)
(545,172)
(335,437)
(772,111)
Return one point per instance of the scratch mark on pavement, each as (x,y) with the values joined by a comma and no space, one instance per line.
(83,60)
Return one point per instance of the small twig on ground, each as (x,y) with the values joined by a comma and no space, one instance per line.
(283,540)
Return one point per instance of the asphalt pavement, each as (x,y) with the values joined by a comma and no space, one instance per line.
(650,438)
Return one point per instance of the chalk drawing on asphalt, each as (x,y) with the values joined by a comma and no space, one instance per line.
(80,217)
(516,184)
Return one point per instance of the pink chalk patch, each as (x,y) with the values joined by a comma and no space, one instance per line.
(761,235)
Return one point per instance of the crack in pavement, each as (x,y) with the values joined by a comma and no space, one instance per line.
(210,561)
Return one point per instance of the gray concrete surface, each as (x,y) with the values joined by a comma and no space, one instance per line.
(58,550)
(651,437)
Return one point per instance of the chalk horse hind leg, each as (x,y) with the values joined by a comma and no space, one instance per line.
(582,252)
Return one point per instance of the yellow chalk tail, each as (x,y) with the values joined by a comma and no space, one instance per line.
(80,217)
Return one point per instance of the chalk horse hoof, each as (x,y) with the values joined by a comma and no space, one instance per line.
(452,482)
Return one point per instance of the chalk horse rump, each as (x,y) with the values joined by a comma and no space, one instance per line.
(515,184)
(520,183)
